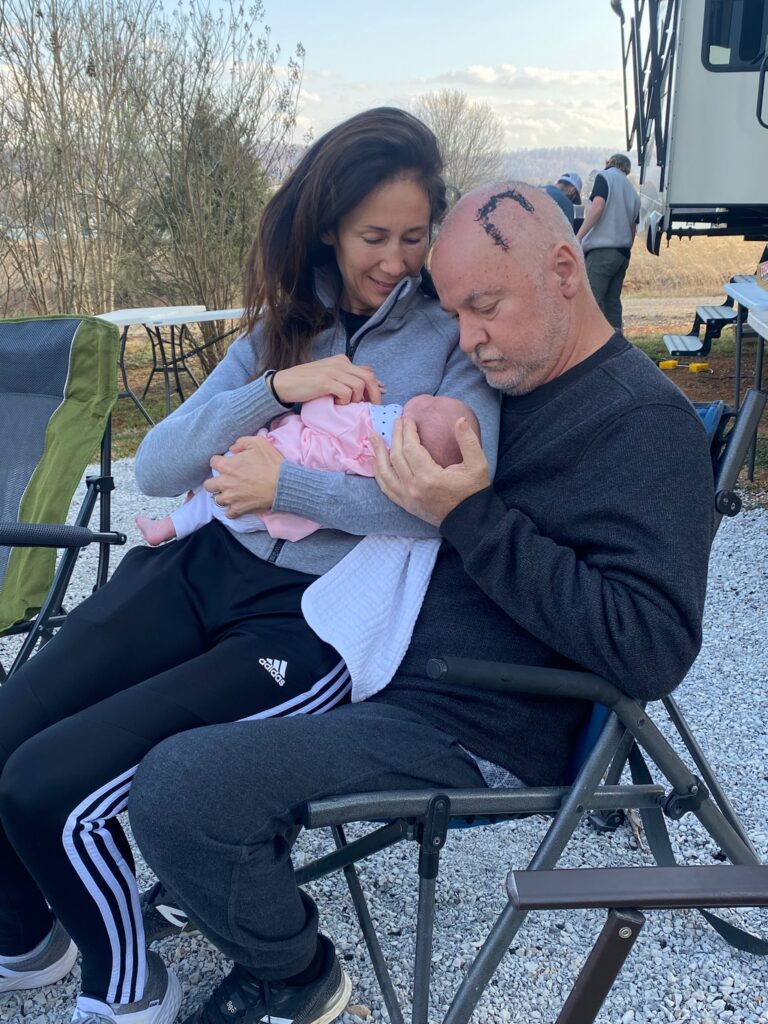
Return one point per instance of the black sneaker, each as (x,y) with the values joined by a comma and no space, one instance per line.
(242,999)
(160,917)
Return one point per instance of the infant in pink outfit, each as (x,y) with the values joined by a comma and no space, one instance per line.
(324,435)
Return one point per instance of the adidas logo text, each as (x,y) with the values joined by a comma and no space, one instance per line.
(276,669)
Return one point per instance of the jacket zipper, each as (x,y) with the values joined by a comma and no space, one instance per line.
(352,349)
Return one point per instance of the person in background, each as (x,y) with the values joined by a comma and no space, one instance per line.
(570,184)
(607,235)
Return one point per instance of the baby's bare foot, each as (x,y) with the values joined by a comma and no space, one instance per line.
(156,531)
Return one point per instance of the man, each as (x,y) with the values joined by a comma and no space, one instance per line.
(607,235)
(558,196)
(570,185)
(572,557)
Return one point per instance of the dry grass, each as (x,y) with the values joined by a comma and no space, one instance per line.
(689,266)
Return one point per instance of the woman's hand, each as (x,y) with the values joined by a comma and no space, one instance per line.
(411,478)
(337,376)
(247,480)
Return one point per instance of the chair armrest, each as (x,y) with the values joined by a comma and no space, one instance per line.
(53,535)
(731,885)
(545,682)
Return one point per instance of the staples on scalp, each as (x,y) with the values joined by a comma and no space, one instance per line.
(485,211)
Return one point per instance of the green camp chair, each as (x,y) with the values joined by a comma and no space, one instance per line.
(58,385)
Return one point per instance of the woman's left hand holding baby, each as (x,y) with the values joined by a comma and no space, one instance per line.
(246,481)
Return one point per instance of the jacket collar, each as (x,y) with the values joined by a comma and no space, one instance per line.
(404,296)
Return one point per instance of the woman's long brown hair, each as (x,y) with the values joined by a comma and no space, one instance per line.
(335,174)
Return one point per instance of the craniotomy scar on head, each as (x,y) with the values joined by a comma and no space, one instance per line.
(485,211)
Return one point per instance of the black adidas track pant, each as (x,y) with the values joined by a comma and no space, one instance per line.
(194,633)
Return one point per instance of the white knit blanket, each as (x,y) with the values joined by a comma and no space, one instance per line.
(367,604)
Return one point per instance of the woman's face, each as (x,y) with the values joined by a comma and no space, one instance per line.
(382,240)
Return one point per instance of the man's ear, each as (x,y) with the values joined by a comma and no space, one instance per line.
(566,266)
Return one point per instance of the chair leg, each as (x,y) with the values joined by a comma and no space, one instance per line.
(433,837)
(508,923)
(689,792)
(613,946)
(369,934)
(704,767)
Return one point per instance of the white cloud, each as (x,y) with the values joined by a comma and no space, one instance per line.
(538,106)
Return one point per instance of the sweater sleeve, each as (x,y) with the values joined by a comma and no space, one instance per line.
(356,504)
(621,593)
(174,456)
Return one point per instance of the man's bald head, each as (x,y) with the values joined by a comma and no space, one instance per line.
(507,264)
(512,216)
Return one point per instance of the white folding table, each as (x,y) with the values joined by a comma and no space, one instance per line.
(758,321)
(748,295)
(125,318)
(173,360)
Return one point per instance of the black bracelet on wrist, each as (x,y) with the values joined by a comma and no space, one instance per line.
(269,376)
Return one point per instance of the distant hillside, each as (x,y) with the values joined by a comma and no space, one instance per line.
(541,166)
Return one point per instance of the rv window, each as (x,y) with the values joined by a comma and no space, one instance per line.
(734,34)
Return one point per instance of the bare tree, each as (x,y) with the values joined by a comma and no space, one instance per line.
(69,144)
(470,134)
(223,111)
(136,150)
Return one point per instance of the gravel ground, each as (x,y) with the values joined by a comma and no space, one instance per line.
(680,970)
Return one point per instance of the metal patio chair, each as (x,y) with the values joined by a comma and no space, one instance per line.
(58,385)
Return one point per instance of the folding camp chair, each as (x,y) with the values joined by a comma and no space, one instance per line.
(58,384)
(620,727)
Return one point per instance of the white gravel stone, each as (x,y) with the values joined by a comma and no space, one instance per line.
(679,970)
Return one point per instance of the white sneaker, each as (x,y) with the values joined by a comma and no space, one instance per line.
(159,1005)
(47,963)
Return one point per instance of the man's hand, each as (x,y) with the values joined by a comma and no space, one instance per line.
(247,480)
(410,477)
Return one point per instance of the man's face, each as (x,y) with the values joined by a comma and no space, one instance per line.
(512,327)
(569,190)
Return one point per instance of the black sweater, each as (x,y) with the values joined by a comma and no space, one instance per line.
(589,551)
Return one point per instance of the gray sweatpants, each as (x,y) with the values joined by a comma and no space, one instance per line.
(213,809)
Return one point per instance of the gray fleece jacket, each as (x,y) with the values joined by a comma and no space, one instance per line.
(412,346)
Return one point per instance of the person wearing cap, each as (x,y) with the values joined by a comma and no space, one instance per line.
(570,184)
(562,200)
(607,234)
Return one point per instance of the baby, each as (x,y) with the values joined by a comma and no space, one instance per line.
(324,435)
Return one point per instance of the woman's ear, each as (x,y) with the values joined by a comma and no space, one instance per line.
(328,238)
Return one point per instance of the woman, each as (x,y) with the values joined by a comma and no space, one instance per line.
(209,629)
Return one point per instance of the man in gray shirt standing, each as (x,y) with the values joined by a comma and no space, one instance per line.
(607,235)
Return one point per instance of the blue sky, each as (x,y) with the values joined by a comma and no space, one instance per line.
(549,68)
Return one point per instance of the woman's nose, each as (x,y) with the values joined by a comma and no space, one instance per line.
(394,261)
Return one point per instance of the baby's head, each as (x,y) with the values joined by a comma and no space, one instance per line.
(435,418)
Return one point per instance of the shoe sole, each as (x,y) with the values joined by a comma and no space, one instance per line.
(38,979)
(340,1002)
(165,1013)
